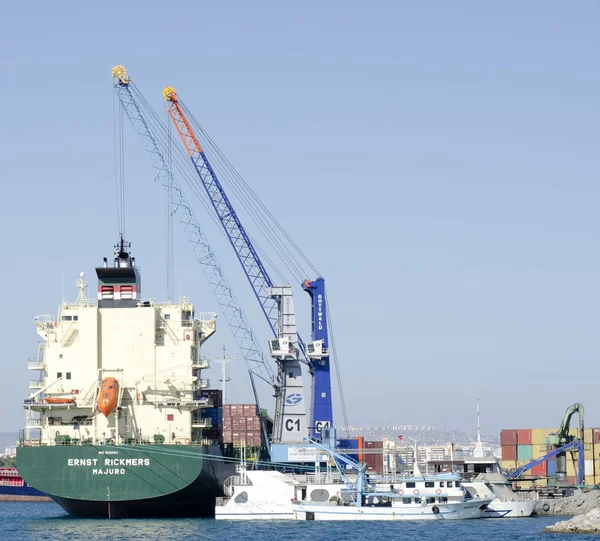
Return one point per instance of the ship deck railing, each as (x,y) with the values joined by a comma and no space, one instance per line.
(74,442)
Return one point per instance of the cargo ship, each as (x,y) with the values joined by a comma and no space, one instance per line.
(13,488)
(116,423)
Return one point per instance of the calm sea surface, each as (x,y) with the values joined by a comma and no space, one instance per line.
(33,521)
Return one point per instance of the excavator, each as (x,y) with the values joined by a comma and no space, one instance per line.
(562,442)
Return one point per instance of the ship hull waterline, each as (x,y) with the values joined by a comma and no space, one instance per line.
(136,481)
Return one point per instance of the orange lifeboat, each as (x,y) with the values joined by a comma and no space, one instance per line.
(50,400)
(108,396)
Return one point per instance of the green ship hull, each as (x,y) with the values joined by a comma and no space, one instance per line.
(127,480)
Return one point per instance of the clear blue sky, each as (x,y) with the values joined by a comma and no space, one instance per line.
(438,161)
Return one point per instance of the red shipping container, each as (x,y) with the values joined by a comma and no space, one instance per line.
(540,469)
(572,480)
(524,436)
(509,452)
(227,436)
(226,410)
(238,424)
(236,409)
(249,409)
(373,445)
(508,437)
(596,433)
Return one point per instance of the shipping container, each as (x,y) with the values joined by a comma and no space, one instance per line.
(572,480)
(508,437)
(551,468)
(539,450)
(508,464)
(524,452)
(509,452)
(539,435)
(349,443)
(226,410)
(373,445)
(589,468)
(539,469)
(596,435)
(524,436)
(521,463)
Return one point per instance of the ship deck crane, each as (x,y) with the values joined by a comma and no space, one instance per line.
(317,351)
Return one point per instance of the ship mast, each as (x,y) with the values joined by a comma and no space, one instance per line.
(478,447)
(225,377)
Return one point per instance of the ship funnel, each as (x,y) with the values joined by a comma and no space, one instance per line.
(119,286)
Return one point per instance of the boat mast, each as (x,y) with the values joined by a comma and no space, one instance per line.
(478,447)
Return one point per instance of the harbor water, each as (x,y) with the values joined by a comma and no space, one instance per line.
(47,521)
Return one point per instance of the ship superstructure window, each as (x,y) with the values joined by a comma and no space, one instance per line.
(66,318)
(441,484)
(430,500)
(429,484)
(457,484)
(170,417)
(58,375)
(186,318)
(449,484)
(411,485)
(406,500)
(68,374)
(167,316)
(75,318)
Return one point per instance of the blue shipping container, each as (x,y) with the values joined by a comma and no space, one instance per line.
(551,468)
(348,444)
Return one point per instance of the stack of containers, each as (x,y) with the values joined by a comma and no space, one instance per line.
(508,441)
(214,413)
(374,461)
(241,424)
(519,447)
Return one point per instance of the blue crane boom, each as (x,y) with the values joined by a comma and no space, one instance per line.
(261,283)
(242,332)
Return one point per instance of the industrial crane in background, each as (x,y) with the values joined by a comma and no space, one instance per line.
(274,301)
(561,443)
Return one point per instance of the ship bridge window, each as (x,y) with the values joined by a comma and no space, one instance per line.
(429,484)
(443,500)
(411,485)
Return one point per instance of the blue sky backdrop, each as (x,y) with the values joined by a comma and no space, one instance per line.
(437,161)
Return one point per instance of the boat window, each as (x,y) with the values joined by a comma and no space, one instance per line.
(441,484)
(457,484)
(68,375)
(444,500)
(417,500)
(449,484)
(406,500)
(75,318)
(430,500)
(411,485)
(429,484)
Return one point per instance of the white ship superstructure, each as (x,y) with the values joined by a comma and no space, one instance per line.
(152,350)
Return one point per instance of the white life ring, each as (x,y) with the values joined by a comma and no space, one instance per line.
(401,492)
(187,441)
(416,491)
(438,491)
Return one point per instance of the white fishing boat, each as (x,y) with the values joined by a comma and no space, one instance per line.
(345,494)
(440,497)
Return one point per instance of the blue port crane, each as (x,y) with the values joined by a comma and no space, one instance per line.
(317,355)
(142,119)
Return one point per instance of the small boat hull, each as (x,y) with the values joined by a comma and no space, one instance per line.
(448,511)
